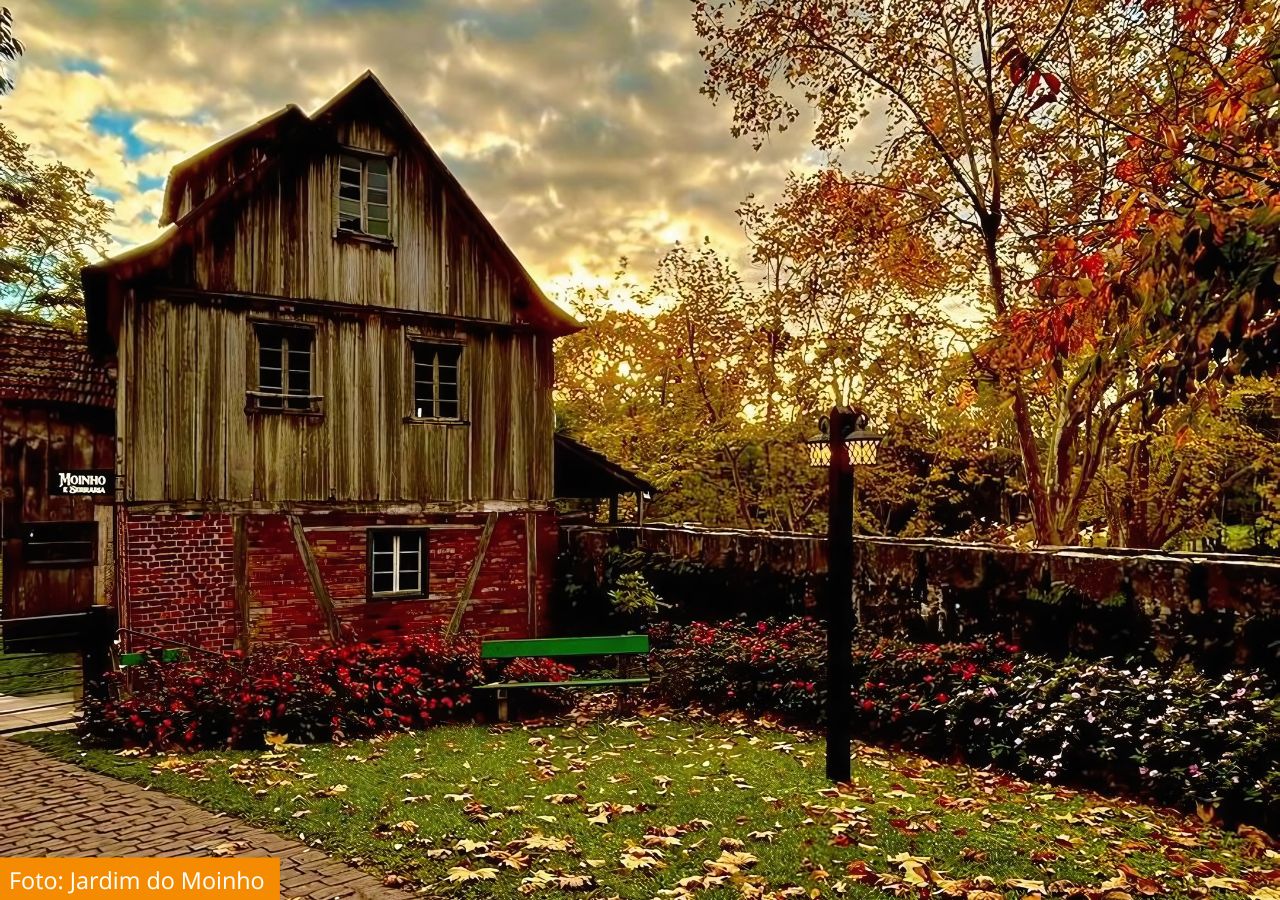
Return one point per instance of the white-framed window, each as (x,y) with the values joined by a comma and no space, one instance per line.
(397,563)
(436,380)
(364,195)
(285,367)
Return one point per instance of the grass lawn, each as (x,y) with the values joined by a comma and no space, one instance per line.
(653,807)
(29,673)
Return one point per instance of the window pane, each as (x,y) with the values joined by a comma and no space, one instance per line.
(349,168)
(378,196)
(270,340)
(379,170)
(381,228)
(448,409)
(408,571)
(410,562)
(349,215)
(269,372)
(299,366)
(383,582)
(349,192)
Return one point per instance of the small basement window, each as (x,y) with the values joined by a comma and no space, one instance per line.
(364,195)
(436,380)
(397,563)
(284,370)
(60,544)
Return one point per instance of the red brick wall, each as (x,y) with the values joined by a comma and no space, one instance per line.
(180,577)
(282,606)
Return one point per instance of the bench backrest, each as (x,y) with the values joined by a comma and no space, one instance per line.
(567,646)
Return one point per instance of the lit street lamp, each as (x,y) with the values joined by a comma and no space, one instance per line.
(843,445)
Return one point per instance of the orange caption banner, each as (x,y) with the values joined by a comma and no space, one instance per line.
(139,879)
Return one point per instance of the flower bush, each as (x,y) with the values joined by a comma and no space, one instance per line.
(347,691)
(1173,735)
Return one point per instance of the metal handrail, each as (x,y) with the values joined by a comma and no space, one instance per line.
(169,641)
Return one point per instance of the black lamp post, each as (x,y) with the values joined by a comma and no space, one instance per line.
(843,445)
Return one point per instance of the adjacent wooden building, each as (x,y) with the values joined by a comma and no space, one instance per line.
(56,427)
(334,398)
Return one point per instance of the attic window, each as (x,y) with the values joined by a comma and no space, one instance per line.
(364,195)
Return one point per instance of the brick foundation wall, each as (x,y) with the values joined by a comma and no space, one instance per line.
(283,608)
(181,577)
(179,574)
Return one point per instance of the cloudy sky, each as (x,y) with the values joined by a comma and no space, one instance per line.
(577,125)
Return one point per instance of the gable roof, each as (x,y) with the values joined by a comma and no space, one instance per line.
(583,472)
(258,147)
(44,363)
(261,135)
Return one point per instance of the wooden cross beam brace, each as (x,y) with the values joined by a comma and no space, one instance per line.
(317,583)
(464,598)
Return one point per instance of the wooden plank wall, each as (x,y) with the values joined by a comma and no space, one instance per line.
(33,441)
(186,355)
(186,365)
(280,239)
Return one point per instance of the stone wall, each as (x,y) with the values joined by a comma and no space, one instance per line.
(1215,609)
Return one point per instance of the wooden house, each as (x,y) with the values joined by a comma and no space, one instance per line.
(57,449)
(334,401)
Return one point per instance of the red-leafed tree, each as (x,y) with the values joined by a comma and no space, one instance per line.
(1107,164)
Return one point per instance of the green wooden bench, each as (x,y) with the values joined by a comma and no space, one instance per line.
(622,646)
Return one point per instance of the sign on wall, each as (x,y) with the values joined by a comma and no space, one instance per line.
(82,482)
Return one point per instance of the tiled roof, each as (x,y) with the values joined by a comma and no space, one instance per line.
(40,362)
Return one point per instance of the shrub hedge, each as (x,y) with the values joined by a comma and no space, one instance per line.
(329,693)
(1173,735)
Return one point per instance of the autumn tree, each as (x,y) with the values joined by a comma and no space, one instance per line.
(1196,460)
(1009,130)
(50,228)
(853,291)
(660,380)
(1151,315)
(10,48)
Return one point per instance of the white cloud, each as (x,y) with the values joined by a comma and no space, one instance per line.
(577,125)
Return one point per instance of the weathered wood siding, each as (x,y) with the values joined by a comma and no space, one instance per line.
(277,238)
(36,439)
(185,366)
(269,250)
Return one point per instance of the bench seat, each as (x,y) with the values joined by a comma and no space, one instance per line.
(622,645)
(585,682)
